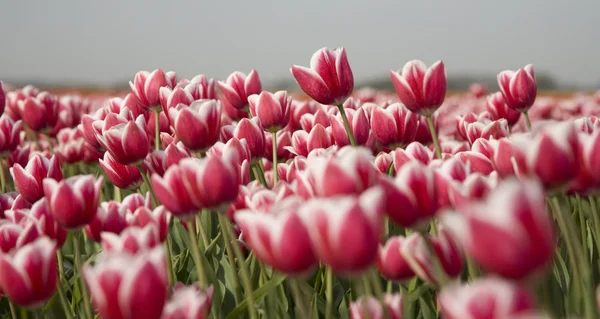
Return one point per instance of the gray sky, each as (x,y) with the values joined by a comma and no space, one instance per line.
(104,42)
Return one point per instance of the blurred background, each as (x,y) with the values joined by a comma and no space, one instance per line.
(101,45)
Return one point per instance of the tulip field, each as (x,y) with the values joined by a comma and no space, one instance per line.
(197,198)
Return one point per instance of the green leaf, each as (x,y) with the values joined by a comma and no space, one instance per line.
(258,294)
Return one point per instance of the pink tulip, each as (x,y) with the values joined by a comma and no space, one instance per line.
(10,132)
(6,202)
(73,201)
(39,213)
(125,286)
(383,161)
(420,89)
(391,263)
(309,120)
(273,109)
(498,109)
(29,277)
(238,87)
(170,98)
(122,176)
(284,142)
(87,126)
(110,217)
(368,307)
(28,180)
(125,139)
(146,86)
(359,123)
(197,126)
(495,129)
(511,234)
(200,87)
(189,303)
(518,88)
(477,90)
(14,236)
(298,109)
(2,98)
(394,125)
(252,131)
(487,298)
(39,113)
(414,151)
(159,217)
(131,240)
(303,142)
(281,240)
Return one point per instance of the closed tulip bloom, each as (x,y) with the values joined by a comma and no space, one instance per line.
(273,109)
(487,298)
(420,89)
(345,231)
(128,142)
(40,113)
(252,131)
(369,307)
(494,129)
(189,302)
(6,202)
(146,86)
(299,109)
(498,109)
(394,126)
(159,217)
(281,241)
(284,142)
(447,253)
(359,123)
(110,217)
(39,213)
(10,132)
(383,161)
(29,277)
(511,234)
(508,157)
(519,88)
(28,180)
(200,86)
(73,201)
(170,98)
(15,236)
(329,80)
(131,240)
(125,286)
(309,120)
(304,142)
(238,87)
(122,176)
(197,126)
(477,162)
(87,123)
(414,151)
(391,263)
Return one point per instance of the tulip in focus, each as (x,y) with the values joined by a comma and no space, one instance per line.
(110,217)
(420,89)
(146,86)
(519,89)
(122,176)
(28,180)
(73,201)
(197,126)
(238,87)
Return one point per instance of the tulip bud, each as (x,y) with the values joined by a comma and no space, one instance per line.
(519,88)
(284,142)
(273,109)
(238,87)
(73,201)
(498,109)
(110,217)
(189,303)
(28,180)
(394,126)
(10,132)
(329,79)
(39,113)
(15,236)
(131,240)
(122,176)
(391,263)
(303,142)
(159,217)
(252,131)
(146,86)
(127,141)
(197,126)
(420,89)
(359,124)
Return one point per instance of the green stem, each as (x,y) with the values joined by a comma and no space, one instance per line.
(596,221)
(580,269)
(148,185)
(582,228)
(168,248)
(329,293)
(527,120)
(196,253)
(201,230)
(117,194)
(227,230)
(61,292)
(258,174)
(439,275)
(2,177)
(347,125)
(77,241)
(275,175)
(231,259)
(157,129)
(434,137)
(13,311)
(299,297)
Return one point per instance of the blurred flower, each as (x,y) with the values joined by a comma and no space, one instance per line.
(28,180)
(518,88)
(238,87)
(420,89)
(189,303)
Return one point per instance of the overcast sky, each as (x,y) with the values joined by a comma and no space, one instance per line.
(104,42)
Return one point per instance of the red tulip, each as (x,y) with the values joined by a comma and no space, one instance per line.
(28,180)
(73,201)
(29,277)
(304,143)
(345,231)
(189,303)
(309,120)
(14,97)
(284,142)
(508,157)
(499,110)
(191,185)
(87,126)
(39,213)
(40,113)
(146,86)
(359,123)
(368,307)
(298,109)
(518,88)
(15,236)
(125,139)
(329,79)
(414,151)
(420,89)
(200,87)
(136,200)
(280,240)
(10,132)
(394,126)
(197,126)
(2,98)
(159,217)
(170,98)
(238,87)
(477,162)
(288,171)
(447,253)
(391,263)
(383,161)
(131,240)
(125,286)
(511,234)
(252,131)
(487,298)
(273,109)
(122,176)
(495,129)
(6,202)
(110,217)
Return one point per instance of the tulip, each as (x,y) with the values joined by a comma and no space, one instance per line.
(129,286)
(146,86)
(136,200)
(273,109)
(498,109)
(303,142)
(238,87)
(131,240)
(511,234)
(159,217)
(6,202)
(495,129)
(191,185)
(359,123)
(2,98)
(73,201)
(420,89)
(487,298)
(15,236)
(170,98)
(345,231)
(38,213)
(127,141)
(391,263)
(394,126)
(383,161)
(197,126)
(29,277)
(414,151)
(122,176)
(252,131)
(200,87)
(39,113)
(284,142)
(110,217)
(368,307)
(28,180)
(477,90)
(87,123)
(519,89)
(10,132)
(189,303)
(309,120)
